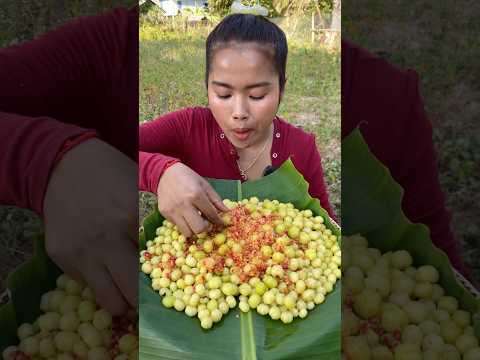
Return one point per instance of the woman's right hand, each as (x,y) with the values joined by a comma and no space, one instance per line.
(182,194)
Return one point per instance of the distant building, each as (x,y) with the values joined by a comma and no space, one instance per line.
(172,7)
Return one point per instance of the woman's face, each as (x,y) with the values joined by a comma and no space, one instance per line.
(243,93)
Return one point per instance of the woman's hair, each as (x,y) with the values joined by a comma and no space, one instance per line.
(241,28)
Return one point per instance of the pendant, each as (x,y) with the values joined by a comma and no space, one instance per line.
(243,175)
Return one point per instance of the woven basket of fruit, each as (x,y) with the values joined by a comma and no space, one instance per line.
(264,287)
(401,297)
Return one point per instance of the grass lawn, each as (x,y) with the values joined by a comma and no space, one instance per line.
(439,40)
(172,77)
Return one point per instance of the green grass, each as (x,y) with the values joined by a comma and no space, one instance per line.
(17,230)
(438,40)
(172,77)
(25,19)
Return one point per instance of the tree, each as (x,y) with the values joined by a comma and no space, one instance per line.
(220,7)
(335,25)
(336,15)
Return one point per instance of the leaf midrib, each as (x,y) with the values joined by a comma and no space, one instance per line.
(247,335)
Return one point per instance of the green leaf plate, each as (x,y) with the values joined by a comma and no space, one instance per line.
(168,334)
(371,206)
(25,288)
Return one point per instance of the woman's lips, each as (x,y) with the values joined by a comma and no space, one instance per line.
(242,134)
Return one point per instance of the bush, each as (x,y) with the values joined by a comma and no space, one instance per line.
(220,7)
(152,14)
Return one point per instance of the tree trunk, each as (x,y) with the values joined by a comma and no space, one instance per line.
(335,25)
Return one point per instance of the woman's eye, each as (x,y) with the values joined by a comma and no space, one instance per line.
(257,97)
(224,96)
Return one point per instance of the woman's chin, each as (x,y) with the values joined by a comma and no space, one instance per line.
(239,144)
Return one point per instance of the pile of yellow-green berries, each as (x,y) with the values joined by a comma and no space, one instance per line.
(270,257)
(73,326)
(393,310)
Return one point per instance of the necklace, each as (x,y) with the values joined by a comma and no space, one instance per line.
(243,172)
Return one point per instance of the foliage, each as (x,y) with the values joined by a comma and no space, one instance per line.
(297,7)
(153,17)
(438,40)
(25,19)
(151,14)
(202,13)
(220,7)
(276,7)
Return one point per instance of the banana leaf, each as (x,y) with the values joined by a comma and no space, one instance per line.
(168,334)
(371,206)
(25,286)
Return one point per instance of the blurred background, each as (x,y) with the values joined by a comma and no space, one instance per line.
(439,40)
(20,21)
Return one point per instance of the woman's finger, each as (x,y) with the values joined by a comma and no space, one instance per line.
(103,286)
(215,199)
(61,257)
(206,207)
(179,221)
(183,226)
(122,264)
(68,268)
(195,221)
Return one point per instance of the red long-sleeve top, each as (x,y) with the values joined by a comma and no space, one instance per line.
(193,136)
(385,103)
(80,77)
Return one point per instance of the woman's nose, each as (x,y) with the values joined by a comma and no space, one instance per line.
(240,109)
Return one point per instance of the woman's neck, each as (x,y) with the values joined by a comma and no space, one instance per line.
(253,160)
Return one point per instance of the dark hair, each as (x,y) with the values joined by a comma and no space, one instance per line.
(249,28)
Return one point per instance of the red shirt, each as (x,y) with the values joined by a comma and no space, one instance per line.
(193,136)
(79,77)
(386,103)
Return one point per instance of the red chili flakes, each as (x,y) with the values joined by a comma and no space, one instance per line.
(247,231)
(278,247)
(262,267)
(287,281)
(219,264)
(147,255)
